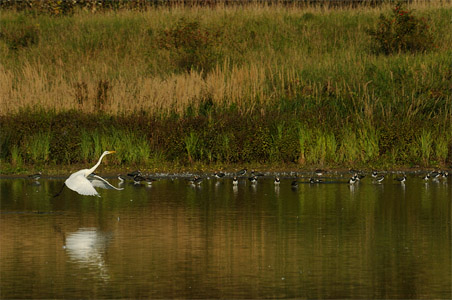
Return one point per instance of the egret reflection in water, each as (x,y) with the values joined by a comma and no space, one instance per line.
(87,247)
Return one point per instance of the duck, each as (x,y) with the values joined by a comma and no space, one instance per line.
(218,174)
(138,179)
(134,173)
(294,184)
(242,172)
(196,180)
(277,180)
(36,176)
(253,173)
(235,181)
(380,178)
(319,172)
(121,178)
(359,176)
(401,179)
(313,180)
(374,174)
(253,179)
(150,180)
(353,179)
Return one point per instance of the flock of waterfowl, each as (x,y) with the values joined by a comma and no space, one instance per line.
(85,181)
(137,177)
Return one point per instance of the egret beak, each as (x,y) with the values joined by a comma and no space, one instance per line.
(110,152)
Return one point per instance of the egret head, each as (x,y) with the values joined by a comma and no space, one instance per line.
(110,152)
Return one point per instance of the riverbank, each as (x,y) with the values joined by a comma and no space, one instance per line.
(212,86)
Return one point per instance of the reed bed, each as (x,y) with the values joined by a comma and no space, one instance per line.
(224,84)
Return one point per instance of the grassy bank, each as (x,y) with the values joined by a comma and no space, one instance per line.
(215,85)
(45,140)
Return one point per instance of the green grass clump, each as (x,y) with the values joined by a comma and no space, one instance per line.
(192,145)
(426,145)
(39,147)
(16,156)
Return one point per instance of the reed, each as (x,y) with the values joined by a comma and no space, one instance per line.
(303,137)
(16,156)
(425,145)
(85,146)
(192,146)
(443,145)
(38,146)
(349,149)
(368,143)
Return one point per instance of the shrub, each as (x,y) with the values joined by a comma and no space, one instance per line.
(401,32)
(191,46)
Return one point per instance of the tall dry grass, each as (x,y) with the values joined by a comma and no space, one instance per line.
(111,61)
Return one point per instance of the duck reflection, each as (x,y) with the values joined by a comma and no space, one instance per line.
(87,247)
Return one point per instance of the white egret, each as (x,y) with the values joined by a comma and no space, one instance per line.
(83,182)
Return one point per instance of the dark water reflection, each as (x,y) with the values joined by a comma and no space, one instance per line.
(174,240)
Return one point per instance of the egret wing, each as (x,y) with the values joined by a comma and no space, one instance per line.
(98,181)
(78,183)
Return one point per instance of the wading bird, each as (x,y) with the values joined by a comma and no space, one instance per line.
(82,183)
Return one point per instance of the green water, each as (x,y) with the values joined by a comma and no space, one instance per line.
(174,240)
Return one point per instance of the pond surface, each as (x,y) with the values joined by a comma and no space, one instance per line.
(174,240)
